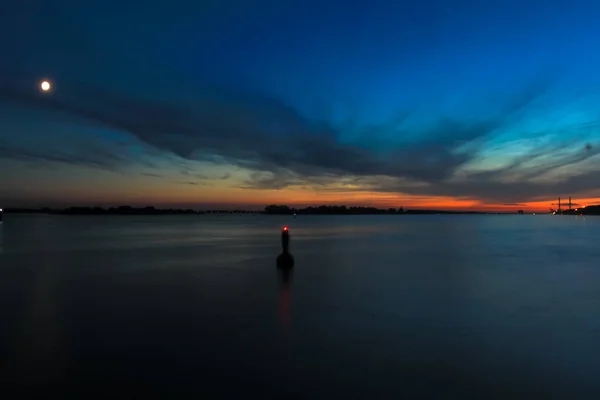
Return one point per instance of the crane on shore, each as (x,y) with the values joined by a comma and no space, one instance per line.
(570,210)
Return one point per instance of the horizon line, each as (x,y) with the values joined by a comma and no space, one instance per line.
(497,208)
(264,208)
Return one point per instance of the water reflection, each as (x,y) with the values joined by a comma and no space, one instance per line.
(285,294)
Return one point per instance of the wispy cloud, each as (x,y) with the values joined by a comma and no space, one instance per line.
(152,175)
(283,148)
(188,183)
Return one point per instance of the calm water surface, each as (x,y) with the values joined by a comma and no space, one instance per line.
(377,307)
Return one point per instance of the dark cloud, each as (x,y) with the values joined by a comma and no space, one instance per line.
(153,175)
(188,183)
(282,147)
(501,191)
(104,160)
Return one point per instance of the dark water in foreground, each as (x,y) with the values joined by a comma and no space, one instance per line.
(378,306)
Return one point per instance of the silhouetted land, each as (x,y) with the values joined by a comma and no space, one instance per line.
(270,210)
(344,210)
(589,210)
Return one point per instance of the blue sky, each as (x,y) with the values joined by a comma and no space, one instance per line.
(228,102)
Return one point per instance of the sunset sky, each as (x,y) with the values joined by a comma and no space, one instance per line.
(482,105)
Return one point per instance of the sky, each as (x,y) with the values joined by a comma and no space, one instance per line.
(480,105)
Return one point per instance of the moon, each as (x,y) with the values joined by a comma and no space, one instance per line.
(45,86)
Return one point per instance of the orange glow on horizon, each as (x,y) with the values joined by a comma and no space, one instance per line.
(105,189)
(254,199)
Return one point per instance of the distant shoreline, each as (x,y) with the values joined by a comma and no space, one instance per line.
(269,210)
(276,210)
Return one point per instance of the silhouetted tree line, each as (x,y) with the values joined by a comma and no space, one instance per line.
(281,209)
(271,209)
(344,210)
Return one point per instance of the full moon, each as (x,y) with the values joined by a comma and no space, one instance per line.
(45,85)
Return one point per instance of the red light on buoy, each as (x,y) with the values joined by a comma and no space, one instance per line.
(285,228)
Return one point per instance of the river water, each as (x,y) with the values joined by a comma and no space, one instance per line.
(392,306)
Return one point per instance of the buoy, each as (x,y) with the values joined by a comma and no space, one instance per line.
(285,260)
